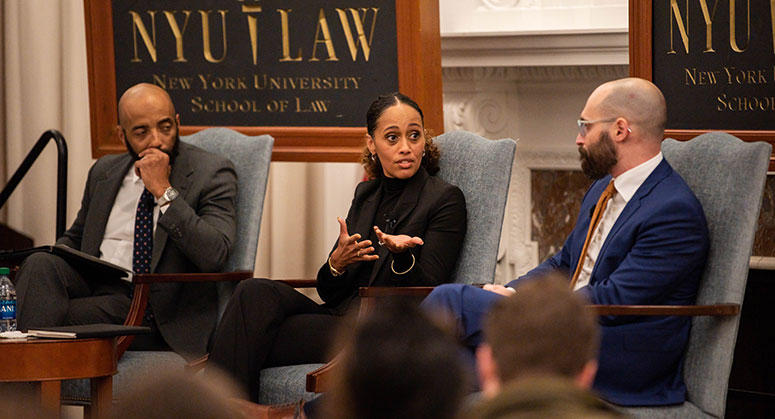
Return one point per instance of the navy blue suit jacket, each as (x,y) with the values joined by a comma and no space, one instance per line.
(655,254)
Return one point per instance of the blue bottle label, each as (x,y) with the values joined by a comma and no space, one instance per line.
(7,310)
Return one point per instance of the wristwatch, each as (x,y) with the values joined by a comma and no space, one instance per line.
(169,195)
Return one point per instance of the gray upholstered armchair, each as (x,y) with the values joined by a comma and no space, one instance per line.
(481,168)
(251,157)
(727,175)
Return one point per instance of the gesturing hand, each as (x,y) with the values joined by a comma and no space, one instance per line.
(349,250)
(498,289)
(397,243)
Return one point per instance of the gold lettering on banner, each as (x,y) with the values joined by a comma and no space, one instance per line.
(253,29)
(178,33)
(358,19)
(741,77)
(264,82)
(206,35)
(732,22)
(745,104)
(287,37)
(708,24)
(772,23)
(699,78)
(675,14)
(150,43)
(323,27)
(312,106)
(210,81)
(172,83)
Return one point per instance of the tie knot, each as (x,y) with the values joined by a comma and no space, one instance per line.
(610,189)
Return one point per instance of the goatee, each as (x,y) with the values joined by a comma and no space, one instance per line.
(599,158)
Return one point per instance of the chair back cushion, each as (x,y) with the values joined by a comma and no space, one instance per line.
(251,157)
(727,175)
(481,168)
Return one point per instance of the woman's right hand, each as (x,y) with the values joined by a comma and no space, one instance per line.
(350,250)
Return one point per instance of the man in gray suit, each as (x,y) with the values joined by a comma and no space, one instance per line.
(177,194)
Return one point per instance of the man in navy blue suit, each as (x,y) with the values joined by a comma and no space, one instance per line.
(649,247)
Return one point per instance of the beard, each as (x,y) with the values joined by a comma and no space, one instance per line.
(598,160)
(172,153)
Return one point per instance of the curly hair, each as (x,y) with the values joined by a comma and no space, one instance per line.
(371,163)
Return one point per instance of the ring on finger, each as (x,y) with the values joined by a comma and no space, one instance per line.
(359,253)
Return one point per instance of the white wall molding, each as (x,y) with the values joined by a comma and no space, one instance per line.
(534,73)
(535,49)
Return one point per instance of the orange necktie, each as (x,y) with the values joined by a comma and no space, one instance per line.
(596,216)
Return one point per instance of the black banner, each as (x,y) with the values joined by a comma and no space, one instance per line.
(715,62)
(260,63)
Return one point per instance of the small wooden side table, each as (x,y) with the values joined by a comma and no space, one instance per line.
(46,362)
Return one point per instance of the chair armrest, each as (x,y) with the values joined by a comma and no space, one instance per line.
(299,283)
(191,277)
(319,380)
(722,309)
(142,283)
(375,292)
(196,365)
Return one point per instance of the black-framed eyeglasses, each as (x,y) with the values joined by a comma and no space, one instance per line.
(583,124)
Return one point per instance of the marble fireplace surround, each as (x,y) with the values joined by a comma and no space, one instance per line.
(523,69)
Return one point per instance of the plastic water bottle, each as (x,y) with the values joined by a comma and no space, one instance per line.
(7,302)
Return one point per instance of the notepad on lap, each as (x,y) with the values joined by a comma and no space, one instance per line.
(83,331)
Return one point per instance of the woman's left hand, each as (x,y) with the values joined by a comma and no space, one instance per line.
(397,243)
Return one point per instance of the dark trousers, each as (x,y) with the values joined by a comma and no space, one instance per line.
(467,305)
(51,293)
(266,324)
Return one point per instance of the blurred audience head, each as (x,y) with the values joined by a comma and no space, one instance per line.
(178,394)
(544,329)
(398,364)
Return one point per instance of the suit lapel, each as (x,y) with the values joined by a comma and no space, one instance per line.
(405,205)
(106,186)
(660,172)
(180,179)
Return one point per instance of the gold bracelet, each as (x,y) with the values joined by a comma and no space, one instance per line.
(333,270)
(394,269)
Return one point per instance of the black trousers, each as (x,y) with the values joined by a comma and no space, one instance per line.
(267,324)
(51,293)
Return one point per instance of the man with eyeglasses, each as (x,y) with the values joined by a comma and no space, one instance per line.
(647,244)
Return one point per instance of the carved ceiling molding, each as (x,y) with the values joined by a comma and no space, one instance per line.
(535,73)
(485,113)
(507,4)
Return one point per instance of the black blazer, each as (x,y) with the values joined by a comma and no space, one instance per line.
(428,208)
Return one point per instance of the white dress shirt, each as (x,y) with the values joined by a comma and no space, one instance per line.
(118,240)
(625,185)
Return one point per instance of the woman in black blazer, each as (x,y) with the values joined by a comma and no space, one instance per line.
(405,227)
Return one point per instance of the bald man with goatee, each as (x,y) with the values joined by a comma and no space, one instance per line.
(186,199)
(648,247)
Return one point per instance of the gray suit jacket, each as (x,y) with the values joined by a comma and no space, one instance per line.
(194,234)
